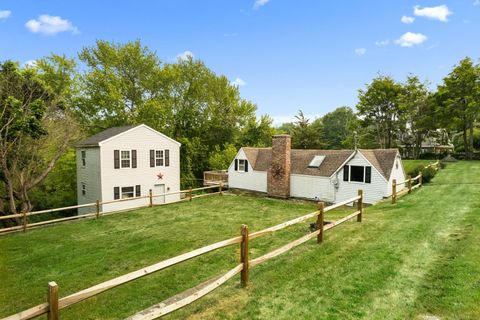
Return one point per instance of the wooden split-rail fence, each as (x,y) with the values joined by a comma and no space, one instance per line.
(54,304)
(411,183)
(97,208)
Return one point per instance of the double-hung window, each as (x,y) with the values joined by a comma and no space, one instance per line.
(84,158)
(84,189)
(159,158)
(242,164)
(125,158)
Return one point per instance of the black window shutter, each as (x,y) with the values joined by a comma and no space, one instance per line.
(368,174)
(167,158)
(152,158)
(116,193)
(137,190)
(116,159)
(134,158)
(345,173)
(236,164)
(246,165)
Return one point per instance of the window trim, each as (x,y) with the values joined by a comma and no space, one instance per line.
(242,162)
(364,174)
(122,159)
(122,193)
(160,159)
(83,156)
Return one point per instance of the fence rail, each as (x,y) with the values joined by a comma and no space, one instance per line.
(410,181)
(55,304)
(96,207)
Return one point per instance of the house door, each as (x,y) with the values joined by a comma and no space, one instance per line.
(158,189)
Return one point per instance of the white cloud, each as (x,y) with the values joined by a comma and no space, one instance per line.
(185,55)
(238,82)
(259,3)
(410,39)
(407,19)
(436,13)
(360,51)
(382,43)
(476,3)
(30,63)
(50,25)
(4,14)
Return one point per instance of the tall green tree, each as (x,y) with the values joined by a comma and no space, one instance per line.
(336,127)
(36,126)
(458,98)
(306,135)
(379,106)
(417,113)
(257,133)
(121,82)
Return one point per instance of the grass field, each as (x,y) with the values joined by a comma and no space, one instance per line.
(405,261)
(410,165)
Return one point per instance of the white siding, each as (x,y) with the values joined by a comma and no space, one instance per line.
(311,187)
(143,140)
(373,192)
(251,180)
(90,176)
(398,173)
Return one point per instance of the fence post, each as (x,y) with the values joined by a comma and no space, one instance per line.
(394,191)
(320,219)
(150,198)
(24,221)
(190,193)
(420,179)
(97,204)
(409,184)
(244,256)
(360,205)
(221,188)
(52,313)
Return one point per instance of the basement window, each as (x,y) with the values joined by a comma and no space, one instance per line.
(127,192)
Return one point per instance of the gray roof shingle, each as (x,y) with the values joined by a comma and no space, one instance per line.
(94,140)
(381,159)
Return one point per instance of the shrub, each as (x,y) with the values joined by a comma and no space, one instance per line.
(427,173)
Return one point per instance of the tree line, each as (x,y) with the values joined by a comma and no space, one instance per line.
(48,107)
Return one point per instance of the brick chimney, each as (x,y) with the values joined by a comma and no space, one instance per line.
(278,175)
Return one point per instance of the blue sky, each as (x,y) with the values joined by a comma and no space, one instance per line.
(287,55)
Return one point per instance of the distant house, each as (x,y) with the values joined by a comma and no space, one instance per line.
(125,162)
(324,175)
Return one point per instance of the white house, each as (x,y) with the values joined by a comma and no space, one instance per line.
(324,175)
(126,162)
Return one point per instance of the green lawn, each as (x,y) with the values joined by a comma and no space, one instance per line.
(410,165)
(404,261)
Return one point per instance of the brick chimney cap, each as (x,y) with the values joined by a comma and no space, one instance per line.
(281,136)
